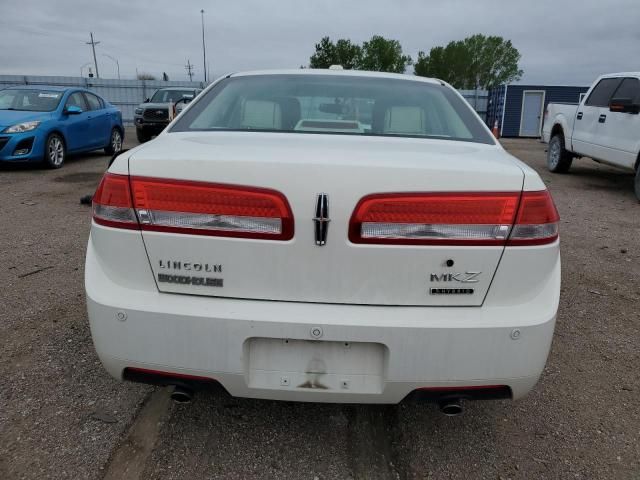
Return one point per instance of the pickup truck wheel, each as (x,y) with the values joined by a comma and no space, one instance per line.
(558,158)
(142,136)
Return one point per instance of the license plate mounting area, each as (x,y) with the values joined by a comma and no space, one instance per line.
(312,365)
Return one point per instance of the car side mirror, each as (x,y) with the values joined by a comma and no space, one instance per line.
(624,105)
(147,100)
(72,110)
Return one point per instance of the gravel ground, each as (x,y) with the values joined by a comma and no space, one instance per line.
(62,416)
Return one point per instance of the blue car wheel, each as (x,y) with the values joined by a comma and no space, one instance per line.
(55,151)
(115,142)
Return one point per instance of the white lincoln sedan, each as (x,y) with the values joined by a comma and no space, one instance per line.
(325,236)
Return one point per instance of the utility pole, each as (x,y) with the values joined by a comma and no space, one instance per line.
(189,68)
(93,48)
(204,49)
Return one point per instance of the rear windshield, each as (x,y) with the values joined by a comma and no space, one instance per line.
(166,96)
(30,100)
(349,105)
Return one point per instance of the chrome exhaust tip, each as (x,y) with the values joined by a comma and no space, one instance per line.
(181,395)
(451,408)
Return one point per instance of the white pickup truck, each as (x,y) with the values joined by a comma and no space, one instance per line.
(604,126)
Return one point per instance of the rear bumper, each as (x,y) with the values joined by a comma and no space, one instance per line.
(136,326)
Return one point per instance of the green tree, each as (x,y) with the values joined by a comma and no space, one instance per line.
(475,62)
(383,55)
(348,54)
(343,52)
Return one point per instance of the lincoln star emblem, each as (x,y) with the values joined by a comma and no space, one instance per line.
(159,112)
(321,220)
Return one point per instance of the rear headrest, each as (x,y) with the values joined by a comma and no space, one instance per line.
(261,114)
(290,111)
(406,120)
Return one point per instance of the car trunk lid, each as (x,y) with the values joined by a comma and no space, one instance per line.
(333,173)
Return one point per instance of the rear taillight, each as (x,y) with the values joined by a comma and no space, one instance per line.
(537,220)
(210,209)
(112,205)
(198,208)
(434,218)
(455,219)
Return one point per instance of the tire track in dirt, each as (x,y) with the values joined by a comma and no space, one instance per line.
(130,458)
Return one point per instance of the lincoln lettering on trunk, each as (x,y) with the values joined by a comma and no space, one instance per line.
(190,266)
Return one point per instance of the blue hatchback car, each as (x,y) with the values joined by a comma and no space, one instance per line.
(43,124)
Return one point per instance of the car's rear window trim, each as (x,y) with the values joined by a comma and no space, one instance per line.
(349,134)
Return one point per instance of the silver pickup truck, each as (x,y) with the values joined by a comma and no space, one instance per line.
(153,115)
(604,126)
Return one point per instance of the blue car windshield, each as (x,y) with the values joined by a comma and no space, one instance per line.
(30,100)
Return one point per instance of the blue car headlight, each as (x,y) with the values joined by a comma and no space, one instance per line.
(22,127)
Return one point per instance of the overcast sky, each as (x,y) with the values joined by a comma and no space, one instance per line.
(561,41)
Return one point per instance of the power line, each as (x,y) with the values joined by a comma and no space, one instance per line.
(115,60)
(189,68)
(93,44)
